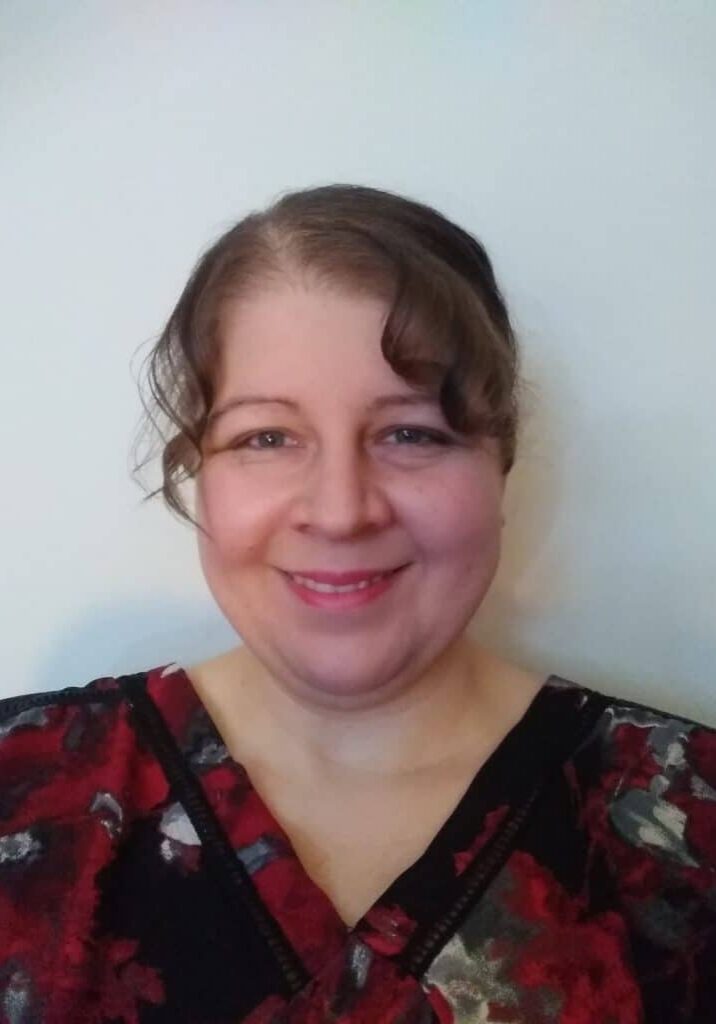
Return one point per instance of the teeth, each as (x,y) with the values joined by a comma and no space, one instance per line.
(326,588)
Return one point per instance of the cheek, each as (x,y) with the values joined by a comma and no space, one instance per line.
(228,514)
(461,544)
(460,518)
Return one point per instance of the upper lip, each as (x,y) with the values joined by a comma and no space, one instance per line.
(338,579)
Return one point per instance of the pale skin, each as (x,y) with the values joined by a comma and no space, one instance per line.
(361,731)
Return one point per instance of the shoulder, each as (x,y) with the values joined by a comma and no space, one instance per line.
(642,746)
(43,733)
(65,754)
(648,784)
(75,778)
(63,716)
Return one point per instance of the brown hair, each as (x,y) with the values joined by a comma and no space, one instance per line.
(448,332)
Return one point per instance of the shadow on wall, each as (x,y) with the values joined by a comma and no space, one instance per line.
(535,591)
(120,638)
(536,487)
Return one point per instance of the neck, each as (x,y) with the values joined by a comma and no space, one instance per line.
(461,704)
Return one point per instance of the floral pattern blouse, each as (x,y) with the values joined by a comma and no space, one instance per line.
(143,879)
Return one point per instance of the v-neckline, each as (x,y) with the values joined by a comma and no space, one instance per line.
(429,886)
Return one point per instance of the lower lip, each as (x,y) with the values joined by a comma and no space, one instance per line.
(341,602)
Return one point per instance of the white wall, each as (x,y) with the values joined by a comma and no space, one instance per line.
(575,138)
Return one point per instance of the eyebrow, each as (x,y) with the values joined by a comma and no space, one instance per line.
(378,403)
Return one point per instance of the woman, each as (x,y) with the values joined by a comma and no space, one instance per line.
(358,815)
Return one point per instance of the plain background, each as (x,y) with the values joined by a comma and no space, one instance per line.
(575,138)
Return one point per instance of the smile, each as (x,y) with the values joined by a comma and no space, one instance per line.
(348,588)
(341,598)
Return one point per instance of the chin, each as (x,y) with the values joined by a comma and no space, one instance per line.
(339,673)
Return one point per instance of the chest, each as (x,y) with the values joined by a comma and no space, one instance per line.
(354,843)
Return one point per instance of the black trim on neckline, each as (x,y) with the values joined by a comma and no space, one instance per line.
(428,939)
(10,706)
(228,868)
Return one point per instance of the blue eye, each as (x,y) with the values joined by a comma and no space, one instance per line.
(263,433)
(431,437)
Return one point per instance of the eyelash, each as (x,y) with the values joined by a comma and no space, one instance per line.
(434,436)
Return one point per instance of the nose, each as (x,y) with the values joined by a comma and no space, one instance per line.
(341,494)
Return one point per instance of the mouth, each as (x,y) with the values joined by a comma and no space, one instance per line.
(348,596)
(339,582)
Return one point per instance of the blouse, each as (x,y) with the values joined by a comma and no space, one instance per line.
(143,879)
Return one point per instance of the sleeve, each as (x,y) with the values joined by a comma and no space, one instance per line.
(655,818)
(67,786)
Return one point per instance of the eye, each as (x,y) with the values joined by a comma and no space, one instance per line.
(433,436)
(430,437)
(244,442)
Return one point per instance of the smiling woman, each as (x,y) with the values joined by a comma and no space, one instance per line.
(357,814)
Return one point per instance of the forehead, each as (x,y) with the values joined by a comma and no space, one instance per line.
(292,335)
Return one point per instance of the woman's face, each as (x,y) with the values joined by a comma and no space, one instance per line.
(333,487)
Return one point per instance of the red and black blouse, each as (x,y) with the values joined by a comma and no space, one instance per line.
(143,879)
